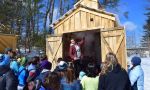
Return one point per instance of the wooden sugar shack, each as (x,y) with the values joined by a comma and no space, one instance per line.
(101,30)
(7,41)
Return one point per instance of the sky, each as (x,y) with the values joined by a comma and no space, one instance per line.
(136,18)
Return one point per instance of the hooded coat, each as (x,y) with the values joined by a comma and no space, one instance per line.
(136,74)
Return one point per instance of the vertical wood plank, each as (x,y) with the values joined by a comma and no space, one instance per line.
(72,23)
(97,21)
(77,21)
(92,20)
(84,20)
(88,19)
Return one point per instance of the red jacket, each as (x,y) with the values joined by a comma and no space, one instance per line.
(73,52)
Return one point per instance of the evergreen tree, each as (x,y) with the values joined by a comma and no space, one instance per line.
(146,38)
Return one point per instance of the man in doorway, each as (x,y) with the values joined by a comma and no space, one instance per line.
(76,54)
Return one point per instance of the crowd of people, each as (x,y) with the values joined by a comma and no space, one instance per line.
(22,73)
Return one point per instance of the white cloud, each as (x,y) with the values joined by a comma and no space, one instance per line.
(130,26)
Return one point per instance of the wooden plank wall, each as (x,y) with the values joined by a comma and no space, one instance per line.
(114,41)
(54,49)
(7,41)
(82,20)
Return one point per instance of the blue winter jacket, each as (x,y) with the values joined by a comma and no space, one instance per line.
(136,76)
(5,61)
(14,66)
(22,76)
(75,85)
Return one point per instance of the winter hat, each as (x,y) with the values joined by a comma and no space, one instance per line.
(23,61)
(62,65)
(136,60)
(46,65)
(81,75)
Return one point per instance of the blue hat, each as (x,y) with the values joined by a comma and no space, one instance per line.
(136,60)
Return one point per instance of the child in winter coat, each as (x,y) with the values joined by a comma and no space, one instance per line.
(136,74)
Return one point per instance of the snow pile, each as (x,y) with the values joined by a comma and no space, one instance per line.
(146,67)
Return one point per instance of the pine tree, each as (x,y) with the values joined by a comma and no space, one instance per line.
(146,38)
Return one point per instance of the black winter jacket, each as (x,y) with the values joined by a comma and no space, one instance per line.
(117,79)
(8,81)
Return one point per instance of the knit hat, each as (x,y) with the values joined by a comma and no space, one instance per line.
(46,64)
(23,61)
(136,60)
(62,65)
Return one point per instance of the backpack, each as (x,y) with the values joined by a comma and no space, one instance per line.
(26,74)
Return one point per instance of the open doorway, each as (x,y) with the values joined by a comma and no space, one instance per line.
(91,48)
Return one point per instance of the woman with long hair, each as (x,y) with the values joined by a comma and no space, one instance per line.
(113,76)
(52,82)
(69,83)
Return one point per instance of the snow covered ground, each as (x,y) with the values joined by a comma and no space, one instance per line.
(146,67)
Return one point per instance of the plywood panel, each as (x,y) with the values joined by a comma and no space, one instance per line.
(7,41)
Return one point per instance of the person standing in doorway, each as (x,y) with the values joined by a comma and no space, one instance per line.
(76,54)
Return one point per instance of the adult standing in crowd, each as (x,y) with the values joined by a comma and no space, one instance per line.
(113,76)
(136,74)
(76,54)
